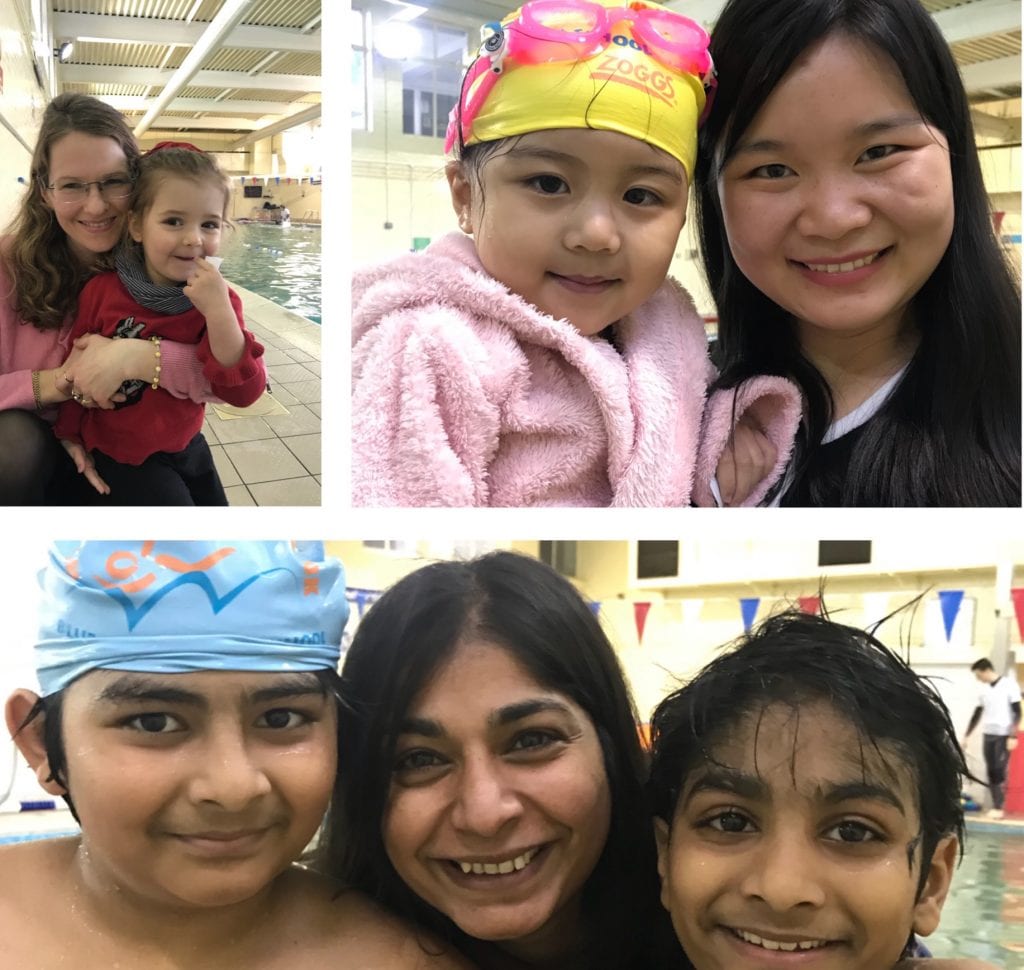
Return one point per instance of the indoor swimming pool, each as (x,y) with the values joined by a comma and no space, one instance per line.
(281,263)
(984,914)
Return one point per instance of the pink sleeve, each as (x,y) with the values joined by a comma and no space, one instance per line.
(775,404)
(425,425)
(15,339)
(16,390)
(181,372)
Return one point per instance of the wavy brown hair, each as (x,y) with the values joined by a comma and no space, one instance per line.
(46,277)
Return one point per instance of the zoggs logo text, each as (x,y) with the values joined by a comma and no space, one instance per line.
(614,67)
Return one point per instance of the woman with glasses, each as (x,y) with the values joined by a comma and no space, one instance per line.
(71,218)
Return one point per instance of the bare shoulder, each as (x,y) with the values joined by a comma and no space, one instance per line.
(34,877)
(351,930)
(30,868)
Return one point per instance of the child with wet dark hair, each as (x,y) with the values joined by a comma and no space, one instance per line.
(806,787)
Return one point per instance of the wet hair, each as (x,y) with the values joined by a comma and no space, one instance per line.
(528,609)
(179,162)
(797,660)
(51,710)
(45,275)
(950,432)
(983,664)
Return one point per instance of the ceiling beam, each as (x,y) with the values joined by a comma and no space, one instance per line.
(207,123)
(1007,130)
(147,30)
(981,19)
(227,18)
(966,22)
(1003,72)
(311,114)
(90,74)
(139,102)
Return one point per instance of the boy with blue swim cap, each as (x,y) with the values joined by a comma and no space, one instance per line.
(188,718)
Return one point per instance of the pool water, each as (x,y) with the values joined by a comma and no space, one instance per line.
(984,914)
(281,263)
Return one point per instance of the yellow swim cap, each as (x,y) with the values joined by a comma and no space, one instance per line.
(635,68)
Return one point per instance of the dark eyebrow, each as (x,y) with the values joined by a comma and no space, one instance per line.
(430,728)
(133,689)
(727,780)
(516,712)
(863,789)
(634,171)
(750,787)
(877,127)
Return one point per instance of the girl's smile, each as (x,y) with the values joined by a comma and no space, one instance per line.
(580,223)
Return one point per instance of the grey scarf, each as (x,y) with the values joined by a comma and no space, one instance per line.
(132,272)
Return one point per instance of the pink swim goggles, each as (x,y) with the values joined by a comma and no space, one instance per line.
(546,31)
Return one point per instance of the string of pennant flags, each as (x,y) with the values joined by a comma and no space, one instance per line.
(280,179)
(950,601)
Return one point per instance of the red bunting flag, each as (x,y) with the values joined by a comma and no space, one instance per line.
(1018,608)
(640,611)
(810,604)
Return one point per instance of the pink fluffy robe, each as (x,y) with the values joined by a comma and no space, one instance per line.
(466,395)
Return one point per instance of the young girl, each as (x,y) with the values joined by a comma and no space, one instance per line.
(547,360)
(807,791)
(848,241)
(149,450)
(188,719)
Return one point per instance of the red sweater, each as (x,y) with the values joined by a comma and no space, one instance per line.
(153,421)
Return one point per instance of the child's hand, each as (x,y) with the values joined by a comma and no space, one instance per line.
(748,457)
(208,290)
(84,463)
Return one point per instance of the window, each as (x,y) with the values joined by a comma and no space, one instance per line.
(397,547)
(559,555)
(432,80)
(657,560)
(359,81)
(843,552)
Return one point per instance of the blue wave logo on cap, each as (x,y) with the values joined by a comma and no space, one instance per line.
(126,577)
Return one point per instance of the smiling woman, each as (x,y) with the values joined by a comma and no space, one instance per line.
(491,773)
(848,241)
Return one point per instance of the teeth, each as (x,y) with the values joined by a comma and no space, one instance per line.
(499,868)
(842,267)
(778,944)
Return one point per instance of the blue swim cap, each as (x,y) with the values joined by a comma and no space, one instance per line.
(177,607)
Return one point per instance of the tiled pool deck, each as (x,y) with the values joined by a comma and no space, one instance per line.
(269,454)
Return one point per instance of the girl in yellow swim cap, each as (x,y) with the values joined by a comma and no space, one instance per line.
(542,357)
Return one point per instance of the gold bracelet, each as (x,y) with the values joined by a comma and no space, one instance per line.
(37,394)
(156,366)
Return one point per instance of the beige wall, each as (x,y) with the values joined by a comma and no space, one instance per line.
(689,620)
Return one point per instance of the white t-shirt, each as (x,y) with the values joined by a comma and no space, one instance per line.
(995,701)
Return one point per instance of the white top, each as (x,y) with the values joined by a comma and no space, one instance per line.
(995,701)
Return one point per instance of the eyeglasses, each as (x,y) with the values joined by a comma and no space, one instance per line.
(69,191)
(559,30)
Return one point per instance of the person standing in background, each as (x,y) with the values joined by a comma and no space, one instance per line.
(999,712)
